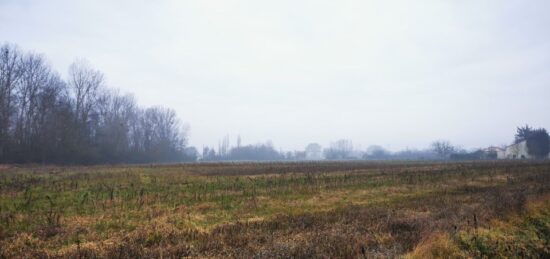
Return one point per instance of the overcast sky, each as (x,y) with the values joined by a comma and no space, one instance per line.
(393,73)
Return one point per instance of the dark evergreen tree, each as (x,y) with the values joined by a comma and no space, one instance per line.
(523,133)
(538,143)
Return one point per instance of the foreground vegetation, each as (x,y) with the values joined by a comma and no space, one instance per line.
(267,210)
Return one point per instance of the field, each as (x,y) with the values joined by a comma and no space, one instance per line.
(277,210)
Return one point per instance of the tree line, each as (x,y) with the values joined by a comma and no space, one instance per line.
(341,149)
(258,152)
(78,120)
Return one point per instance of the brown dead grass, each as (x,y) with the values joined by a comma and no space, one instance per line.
(330,210)
(437,245)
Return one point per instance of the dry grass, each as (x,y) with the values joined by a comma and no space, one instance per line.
(437,245)
(267,210)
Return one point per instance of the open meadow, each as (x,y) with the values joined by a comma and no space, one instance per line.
(277,210)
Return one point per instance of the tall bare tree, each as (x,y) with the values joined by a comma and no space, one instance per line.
(85,83)
(10,74)
(45,119)
(35,78)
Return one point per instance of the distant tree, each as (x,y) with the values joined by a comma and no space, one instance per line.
(300,155)
(191,154)
(113,125)
(443,148)
(412,154)
(340,149)
(212,155)
(376,152)
(44,119)
(10,74)
(538,143)
(208,154)
(85,82)
(476,155)
(223,147)
(205,151)
(289,156)
(523,133)
(259,152)
(163,140)
(36,77)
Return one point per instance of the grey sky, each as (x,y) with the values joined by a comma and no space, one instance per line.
(394,73)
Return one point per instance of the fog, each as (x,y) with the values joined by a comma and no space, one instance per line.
(393,73)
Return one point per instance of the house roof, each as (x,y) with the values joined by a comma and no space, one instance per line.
(494,149)
(515,144)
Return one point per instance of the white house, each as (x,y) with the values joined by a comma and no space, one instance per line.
(516,151)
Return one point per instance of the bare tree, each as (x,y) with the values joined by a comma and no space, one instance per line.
(44,119)
(114,124)
(85,83)
(50,123)
(162,136)
(35,78)
(223,147)
(10,73)
(340,149)
(443,148)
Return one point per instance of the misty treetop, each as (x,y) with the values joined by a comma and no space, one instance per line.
(79,120)
(258,152)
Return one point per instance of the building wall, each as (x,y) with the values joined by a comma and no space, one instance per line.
(501,154)
(517,151)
